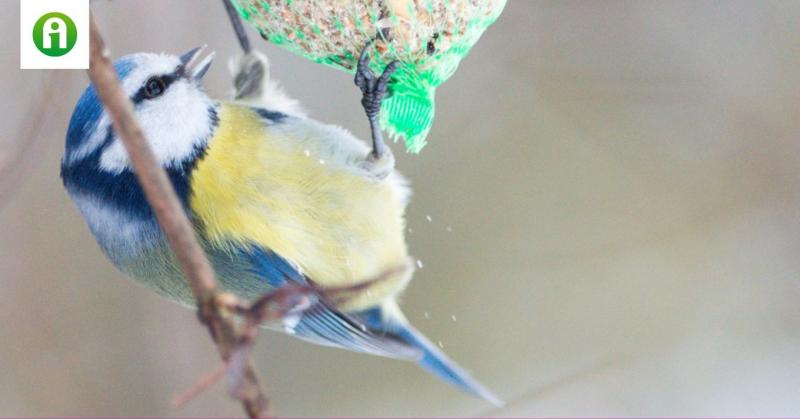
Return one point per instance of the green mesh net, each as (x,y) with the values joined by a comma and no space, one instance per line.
(428,37)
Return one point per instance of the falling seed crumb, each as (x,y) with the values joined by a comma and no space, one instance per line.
(306,152)
(441,345)
(419,263)
(321,161)
(453,317)
(363,328)
(429,218)
(427,315)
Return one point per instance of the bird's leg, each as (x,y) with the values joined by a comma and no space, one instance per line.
(250,75)
(373,89)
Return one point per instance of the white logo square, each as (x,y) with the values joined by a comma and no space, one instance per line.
(54,34)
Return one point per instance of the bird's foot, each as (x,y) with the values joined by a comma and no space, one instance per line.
(373,89)
(250,75)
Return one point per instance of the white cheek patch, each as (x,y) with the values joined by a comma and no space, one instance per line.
(174,124)
(115,158)
(94,141)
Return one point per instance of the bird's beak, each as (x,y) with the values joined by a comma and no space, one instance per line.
(194,67)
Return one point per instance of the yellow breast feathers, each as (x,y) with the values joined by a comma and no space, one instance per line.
(299,188)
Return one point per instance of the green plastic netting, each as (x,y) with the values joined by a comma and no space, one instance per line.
(428,37)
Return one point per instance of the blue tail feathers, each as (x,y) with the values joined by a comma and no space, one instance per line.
(432,359)
(438,364)
(380,331)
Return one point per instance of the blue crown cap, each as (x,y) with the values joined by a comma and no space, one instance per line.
(88,109)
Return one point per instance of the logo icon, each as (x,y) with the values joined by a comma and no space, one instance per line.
(55,34)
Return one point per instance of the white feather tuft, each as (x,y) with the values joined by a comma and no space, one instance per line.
(269,94)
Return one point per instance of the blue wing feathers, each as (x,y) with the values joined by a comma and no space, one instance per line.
(322,324)
(271,267)
(367,331)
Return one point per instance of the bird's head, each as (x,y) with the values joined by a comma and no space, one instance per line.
(176,115)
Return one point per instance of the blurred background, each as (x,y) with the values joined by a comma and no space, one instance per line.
(614,226)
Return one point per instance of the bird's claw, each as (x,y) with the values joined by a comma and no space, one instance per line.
(251,73)
(373,89)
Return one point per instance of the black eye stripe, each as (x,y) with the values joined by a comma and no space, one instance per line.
(141,94)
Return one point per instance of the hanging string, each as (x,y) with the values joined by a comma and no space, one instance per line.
(238,28)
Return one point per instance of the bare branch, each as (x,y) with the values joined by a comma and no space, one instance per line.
(291,298)
(211,302)
(202,385)
(238,28)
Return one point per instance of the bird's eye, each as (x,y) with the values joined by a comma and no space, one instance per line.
(154,87)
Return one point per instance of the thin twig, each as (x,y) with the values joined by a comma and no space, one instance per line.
(213,312)
(290,299)
(17,156)
(202,385)
(236,22)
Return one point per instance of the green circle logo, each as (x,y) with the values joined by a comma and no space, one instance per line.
(55,34)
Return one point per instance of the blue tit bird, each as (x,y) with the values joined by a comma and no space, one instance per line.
(275,196)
